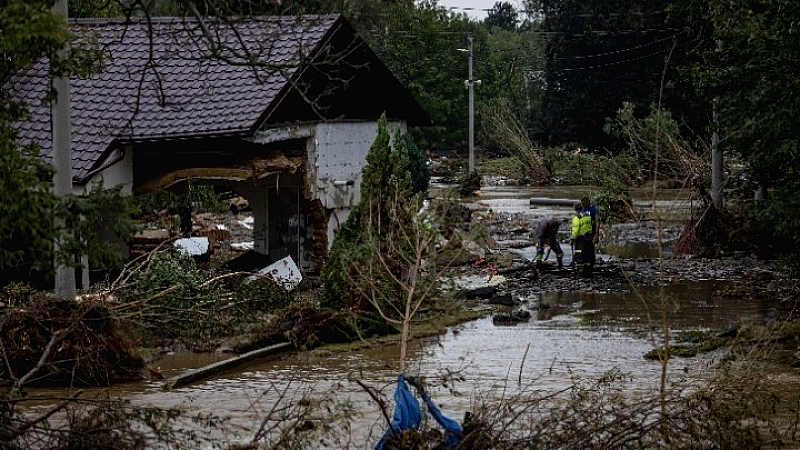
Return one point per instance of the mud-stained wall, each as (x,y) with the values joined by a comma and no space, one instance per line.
(334,156)
(335,163)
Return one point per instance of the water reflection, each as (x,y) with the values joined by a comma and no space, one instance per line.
(577,336)
(689,305)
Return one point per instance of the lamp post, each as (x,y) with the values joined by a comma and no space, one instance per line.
(470,84)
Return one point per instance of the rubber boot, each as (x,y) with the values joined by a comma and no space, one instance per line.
(560,264)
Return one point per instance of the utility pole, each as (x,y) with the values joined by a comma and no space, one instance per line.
(471,107)
(62,160)
(470,85)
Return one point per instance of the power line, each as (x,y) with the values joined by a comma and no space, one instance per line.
(596,55)
(416,33)
(615,63)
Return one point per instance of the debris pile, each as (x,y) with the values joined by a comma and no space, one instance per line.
(86,345)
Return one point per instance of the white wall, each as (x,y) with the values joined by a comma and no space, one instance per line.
(118,174)
(337,153)
(339,156)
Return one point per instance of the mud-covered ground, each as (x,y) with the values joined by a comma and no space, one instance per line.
(628,253)
(636,260)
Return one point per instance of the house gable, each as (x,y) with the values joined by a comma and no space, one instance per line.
(356,86)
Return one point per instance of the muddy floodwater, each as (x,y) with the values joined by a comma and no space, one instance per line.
(576,336)
(571,336)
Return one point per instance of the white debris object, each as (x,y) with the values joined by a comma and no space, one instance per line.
(284,272)
(247,245)
(193,246)
(247,222)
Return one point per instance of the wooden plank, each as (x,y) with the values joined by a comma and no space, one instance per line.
(252,169)
(203,373)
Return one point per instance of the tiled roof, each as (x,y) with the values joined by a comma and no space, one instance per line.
(158,81)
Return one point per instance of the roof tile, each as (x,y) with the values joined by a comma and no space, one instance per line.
(180,92)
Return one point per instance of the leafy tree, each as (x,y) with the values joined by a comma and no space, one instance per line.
(508,64)
(502,15)
(419,44)
(744,56)
(25,182)
(599,55)
(29,31)
(29,208)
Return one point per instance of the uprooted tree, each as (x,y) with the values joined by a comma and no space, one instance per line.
(504,129)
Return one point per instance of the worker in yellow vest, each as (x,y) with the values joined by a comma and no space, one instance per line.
(583,253)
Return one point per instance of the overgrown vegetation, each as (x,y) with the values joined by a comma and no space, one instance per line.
(166,296)
(732,411)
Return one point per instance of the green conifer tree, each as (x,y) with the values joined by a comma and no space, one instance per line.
(387,199)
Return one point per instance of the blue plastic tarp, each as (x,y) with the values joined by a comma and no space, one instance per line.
(407,415)
(452,429)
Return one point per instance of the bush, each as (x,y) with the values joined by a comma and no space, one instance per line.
(386,189)
(613,201)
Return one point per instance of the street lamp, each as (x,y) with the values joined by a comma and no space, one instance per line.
(469,84)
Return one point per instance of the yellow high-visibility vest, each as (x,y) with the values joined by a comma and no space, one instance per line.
(581,225)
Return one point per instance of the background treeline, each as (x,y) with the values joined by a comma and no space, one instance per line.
(587,74)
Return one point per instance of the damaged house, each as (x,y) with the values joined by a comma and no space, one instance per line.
(281,110)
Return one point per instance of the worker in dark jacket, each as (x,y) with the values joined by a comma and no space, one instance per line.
(547,233)
(581,237)
(588,207)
